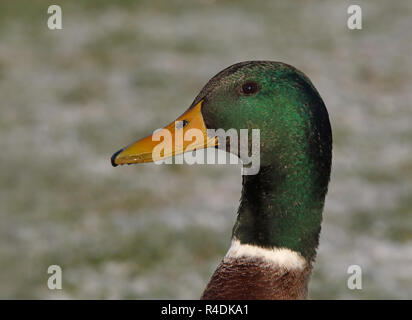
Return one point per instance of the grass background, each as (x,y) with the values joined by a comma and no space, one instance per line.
(116,71)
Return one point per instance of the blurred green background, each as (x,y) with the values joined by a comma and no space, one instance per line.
(70,98)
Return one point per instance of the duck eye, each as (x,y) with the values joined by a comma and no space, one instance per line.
(250,88)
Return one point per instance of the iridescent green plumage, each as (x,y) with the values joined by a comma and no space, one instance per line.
(282,205)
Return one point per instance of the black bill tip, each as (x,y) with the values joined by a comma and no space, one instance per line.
(114,157)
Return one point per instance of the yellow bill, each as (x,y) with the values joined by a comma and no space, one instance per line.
(186,133)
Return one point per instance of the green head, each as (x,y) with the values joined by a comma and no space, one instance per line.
(282,205)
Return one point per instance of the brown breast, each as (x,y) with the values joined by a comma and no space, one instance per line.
(256,279)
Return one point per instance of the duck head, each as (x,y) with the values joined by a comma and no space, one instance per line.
(281,205)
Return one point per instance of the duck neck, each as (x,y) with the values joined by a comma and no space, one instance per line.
(281,207)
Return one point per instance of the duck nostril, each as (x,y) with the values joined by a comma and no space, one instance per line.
(181,124)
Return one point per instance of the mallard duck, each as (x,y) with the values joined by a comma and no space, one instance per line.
(276,235)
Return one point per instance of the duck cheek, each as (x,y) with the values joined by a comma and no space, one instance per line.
(208,117)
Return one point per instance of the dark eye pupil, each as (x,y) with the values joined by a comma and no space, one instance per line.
(250,87)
